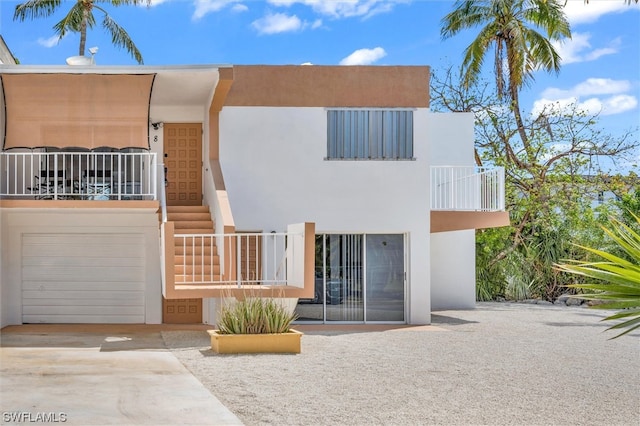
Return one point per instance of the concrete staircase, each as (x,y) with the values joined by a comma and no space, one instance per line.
(196,257)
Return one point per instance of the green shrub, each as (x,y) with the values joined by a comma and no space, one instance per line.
(255,316)
(617,280)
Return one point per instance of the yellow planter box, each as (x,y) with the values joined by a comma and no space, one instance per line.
(255,343)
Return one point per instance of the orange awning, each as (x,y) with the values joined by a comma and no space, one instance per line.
(77,110)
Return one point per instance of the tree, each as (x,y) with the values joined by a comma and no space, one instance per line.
(510,28)
(80,18)
(550,159)
(550,186)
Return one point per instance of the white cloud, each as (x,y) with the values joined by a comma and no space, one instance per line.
(154,3)
(239,8)
(589,87)
(601,86)
(284,3)
(603,51)
(364,56)
(579,13)
(343,8)
(592,96)
(49,42)
(333,8)
(204,7)
(608,106)
(579,49)
(275,23)
(561,106)
(619,104)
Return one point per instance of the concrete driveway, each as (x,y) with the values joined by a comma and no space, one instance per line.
(96,375)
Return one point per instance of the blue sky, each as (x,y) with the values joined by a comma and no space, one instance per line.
(601,66)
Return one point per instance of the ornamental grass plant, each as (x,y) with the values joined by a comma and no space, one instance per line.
(255,315)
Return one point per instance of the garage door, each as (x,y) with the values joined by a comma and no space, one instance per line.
(83,278)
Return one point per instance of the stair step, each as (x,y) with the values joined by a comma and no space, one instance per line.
(204,238)
(196,270)
(194,224)
(187,209)
(193,261)
(190,231)
(206,278)
(196,259)
(197,249)
(188,216)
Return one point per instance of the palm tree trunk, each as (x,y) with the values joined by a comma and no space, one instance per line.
(83,29)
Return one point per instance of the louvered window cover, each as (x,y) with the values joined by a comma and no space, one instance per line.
(369,134)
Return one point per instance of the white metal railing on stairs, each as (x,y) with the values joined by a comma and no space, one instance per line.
(250,258)
(461,188)
(163,211)
(78,175)
(162,194)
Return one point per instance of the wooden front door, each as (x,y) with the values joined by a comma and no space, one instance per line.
(181,311)
(183,160)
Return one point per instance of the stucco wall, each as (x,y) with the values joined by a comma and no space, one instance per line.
(453,280)
(452,253)
(330,86)
(273,160)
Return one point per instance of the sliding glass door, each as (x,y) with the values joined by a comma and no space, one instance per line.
(344,276)
(359,278)
(385,277)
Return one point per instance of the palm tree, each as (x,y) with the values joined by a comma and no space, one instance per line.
(79,18)
(510,27)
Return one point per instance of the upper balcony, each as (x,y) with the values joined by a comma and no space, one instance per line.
(78,175)
(467,198)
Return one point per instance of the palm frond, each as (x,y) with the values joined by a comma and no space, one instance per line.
(72,21)
(34,9)
(514,28)
(618,279)
(120,38)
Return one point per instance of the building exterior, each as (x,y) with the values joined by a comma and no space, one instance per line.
(145,194)
(6,57)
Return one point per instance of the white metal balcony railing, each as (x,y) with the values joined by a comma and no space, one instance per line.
(78,175)
(239,259)
(467,188)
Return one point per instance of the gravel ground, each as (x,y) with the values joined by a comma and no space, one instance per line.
(500,364)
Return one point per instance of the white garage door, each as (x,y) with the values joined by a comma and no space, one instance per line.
(83,278)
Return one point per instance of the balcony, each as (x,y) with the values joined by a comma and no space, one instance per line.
(80,175)
(467,198)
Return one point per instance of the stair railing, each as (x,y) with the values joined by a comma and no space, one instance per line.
(253,264)
(162,195)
